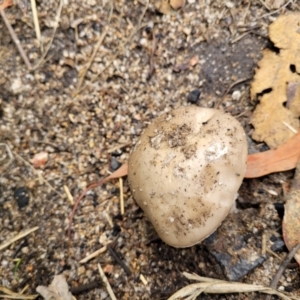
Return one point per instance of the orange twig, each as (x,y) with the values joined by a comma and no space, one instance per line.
(122,171)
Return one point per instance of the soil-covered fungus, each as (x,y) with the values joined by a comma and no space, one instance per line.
(185,171)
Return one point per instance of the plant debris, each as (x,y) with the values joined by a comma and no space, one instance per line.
(57,290)
(284,157)
(214,286)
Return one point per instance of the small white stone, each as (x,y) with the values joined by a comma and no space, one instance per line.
(16,85)
(229,4)
(236,95)
(80,270)
(143,41)
(25,250)
(92,2)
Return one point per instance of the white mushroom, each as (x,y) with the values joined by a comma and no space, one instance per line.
(185,172)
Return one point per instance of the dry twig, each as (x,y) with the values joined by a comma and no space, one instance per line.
(117,258)
(282,268)
(11,295)
(10,156)
(13,34)
(17,237)
(277,10)
(57,18)
(121,196)
(108,287)
(93,255)
(36,23)
(214,286)
(122,171)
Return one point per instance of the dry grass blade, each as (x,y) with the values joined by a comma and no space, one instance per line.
(36,23)
(11,295)
(57,18)
(108,287)
(277,10)
(69,195)
(10,156)
(17,42)
(93,255)
(215,286)
(121,196)
(17,237)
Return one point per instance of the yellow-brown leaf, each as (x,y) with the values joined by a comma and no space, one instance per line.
(275,72)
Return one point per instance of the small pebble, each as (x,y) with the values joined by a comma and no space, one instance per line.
(22,197)
(114,164)
(236,95)
(193,96)
(80,270)
(116,229)
(278,246)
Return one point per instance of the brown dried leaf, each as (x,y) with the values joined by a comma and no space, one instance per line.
(291,219)
(57,290)
(283,158)
(275,73)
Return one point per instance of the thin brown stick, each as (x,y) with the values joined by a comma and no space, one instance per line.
(117,258)
(77,203)
(15,39)
(277,10)
(153,49)
(85,287)
(122,171)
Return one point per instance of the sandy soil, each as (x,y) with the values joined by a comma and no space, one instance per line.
(111,68)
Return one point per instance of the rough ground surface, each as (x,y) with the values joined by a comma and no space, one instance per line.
(85,133)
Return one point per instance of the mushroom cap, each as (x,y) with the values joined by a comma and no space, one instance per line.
(185,171)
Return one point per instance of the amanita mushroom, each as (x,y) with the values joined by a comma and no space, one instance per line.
(185,171)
